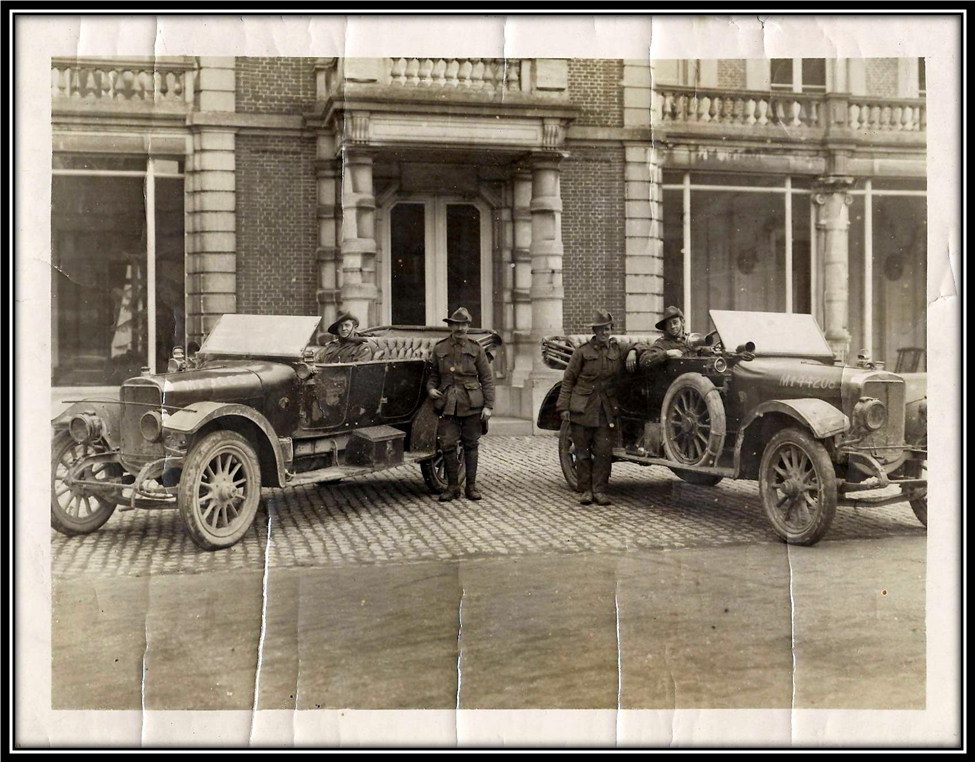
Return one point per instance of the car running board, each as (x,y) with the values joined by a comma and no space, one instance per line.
(620,453)
(336,473)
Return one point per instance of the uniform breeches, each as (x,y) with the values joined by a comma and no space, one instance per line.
(594,456)
(467,430)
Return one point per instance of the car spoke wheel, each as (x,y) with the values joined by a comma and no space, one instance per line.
(567,456)
(435,470)
(77,509)
(220,490)
(798,487)
(918,497)
(693,418)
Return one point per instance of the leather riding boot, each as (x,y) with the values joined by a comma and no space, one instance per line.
(470,463)
(584,475)
(451,467)
(586,498)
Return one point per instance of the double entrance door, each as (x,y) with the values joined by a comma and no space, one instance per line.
(439,259)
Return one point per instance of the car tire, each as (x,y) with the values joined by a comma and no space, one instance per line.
(920,507)
(221,474)
(697,478)
(798,487)
(435,473)
(693,421)
(72,512)
(567,459)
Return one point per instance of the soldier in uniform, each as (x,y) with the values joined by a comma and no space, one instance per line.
(462,387)
(588,402)
(673,344)
(349,346)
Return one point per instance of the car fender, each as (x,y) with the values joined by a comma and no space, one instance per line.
(548,417)
(819,416)
(194,417)
(110,413)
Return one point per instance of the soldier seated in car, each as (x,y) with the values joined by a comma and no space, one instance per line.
(348,346)
(672,345)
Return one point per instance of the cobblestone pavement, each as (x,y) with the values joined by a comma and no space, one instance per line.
(391,517)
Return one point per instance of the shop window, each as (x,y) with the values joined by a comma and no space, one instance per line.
(104,328)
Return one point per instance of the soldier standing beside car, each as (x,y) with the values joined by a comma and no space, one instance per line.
(462,388)
(673,344)
(588,402)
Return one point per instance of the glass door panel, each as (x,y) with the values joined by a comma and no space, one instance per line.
(464,260)
(408,264)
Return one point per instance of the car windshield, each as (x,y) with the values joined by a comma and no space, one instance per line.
(260,336)
(774,333)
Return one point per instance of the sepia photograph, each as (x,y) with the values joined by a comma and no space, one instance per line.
(588,385)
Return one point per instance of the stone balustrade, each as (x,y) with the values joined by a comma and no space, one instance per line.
(865,114)
(740,112)
(123,82)
(491,74)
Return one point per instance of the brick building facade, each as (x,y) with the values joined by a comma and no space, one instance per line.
(533,191)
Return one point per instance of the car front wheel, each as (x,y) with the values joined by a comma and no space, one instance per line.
(220,490)
(435,470)
(798,487)
(567,456)
(80,509)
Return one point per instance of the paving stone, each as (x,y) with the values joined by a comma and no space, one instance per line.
(391,517)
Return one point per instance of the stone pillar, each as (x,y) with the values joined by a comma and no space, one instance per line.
(521,257)
(358,288)
(832,199)
(644,240)
(211,222)
(546,291)
(328,252)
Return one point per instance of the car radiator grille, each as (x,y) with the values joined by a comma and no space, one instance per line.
(136,451)
(891,393)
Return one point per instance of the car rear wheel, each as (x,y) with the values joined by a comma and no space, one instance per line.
(567,456)
(798,487)
(693,418)
(80,509)
(918,498)
(220,490)
(435,471)
(697,478)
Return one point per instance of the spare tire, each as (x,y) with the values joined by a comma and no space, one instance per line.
(693,421)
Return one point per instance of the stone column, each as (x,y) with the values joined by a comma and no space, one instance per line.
(832,199)
(644,229)
(211,257)
(328,252)
(358,289)
(521,257)
(546,291)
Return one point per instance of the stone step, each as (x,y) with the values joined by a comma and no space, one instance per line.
(509,426)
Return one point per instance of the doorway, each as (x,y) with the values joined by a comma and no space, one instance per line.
(439,258)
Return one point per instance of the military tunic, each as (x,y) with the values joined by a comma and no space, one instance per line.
(354,349)
(651,356)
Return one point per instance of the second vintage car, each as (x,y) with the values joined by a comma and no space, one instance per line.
(250,409)
(761,397)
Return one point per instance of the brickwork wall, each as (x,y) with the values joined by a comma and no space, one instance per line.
(882,77)
(275,85)
(731,73)
(277,225)
(595,87)
(593,236)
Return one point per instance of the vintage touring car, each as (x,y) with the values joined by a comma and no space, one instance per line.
(251,409)
(762,398)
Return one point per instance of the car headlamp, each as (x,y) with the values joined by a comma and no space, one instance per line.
(870,413)
(150,426)
(85,427)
